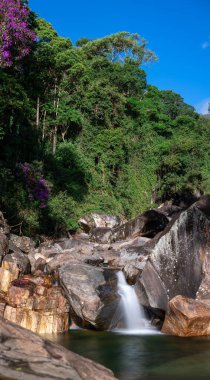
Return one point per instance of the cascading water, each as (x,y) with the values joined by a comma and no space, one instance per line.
(130,310)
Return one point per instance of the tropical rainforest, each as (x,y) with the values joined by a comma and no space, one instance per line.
(81,130)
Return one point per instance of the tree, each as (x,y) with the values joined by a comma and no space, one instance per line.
(119,46)
(16,35)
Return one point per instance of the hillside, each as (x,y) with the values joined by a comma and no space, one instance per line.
(81,130)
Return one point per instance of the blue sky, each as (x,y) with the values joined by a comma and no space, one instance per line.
(178,31)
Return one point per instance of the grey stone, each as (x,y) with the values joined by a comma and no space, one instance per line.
(92,293)
(26,356)
(148,224)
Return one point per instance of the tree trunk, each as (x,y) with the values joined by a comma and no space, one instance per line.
(44,125)
(54,139)
(38,112)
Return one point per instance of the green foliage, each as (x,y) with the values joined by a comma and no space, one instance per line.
(61,213)
(106,141)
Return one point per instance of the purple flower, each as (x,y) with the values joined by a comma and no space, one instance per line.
(36,186)
(16,36)
(6,54)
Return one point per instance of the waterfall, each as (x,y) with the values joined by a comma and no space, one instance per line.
(130,309)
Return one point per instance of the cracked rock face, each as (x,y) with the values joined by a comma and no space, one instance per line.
(26,356)
(177,259)
(33,303)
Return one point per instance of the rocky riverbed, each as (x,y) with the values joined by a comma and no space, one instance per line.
(164,253)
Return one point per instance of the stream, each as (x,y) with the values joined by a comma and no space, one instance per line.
(142,357)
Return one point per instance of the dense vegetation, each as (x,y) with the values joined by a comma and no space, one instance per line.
(81,130)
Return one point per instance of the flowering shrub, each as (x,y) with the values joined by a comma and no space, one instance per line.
(15,34)
(36,186)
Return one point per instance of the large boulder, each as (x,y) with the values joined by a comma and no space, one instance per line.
(151,290)
(98,220)
(92,293)
(23,242)
(176,258)
(148,224)
(187,317)
(25,355)
(101,235)
(13,265)
(18,260)
(34,303)
(8,273)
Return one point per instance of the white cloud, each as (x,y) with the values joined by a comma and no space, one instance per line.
(202,107)
(205,45)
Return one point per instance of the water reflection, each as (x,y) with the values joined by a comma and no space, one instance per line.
(152,357)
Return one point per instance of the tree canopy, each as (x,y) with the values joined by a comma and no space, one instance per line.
(81,129)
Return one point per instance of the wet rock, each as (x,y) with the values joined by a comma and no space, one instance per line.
(37,358)
(98,220)
(187,317)
(92,293)
(148,224)
(22,242)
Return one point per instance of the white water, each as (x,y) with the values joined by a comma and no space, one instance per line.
(131,310)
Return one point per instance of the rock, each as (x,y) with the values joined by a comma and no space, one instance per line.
(187,317)
(62,259)
(132,261)
(6,277)
(92,293)
(21,297)
(94,260)
(101,235)
(33,303)
(39,265)
(25,355)
(169,209)
(151,290)
(22,242)
(4,246)
(177,257)
(2,306)
(53,300)
(13,248)
(17,260)
(148,224)
(95,220)
(4,228)
(76,244)
(40,322)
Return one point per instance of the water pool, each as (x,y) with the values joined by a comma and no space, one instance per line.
(142,357)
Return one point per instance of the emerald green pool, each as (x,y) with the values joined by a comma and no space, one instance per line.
(143,357)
